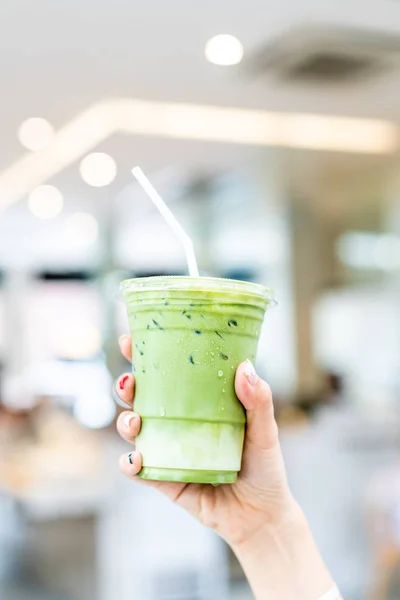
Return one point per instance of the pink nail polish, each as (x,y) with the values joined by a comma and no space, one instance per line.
(250,373)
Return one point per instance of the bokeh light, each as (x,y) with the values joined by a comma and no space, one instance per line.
(35,134)
(45,202)
(98,169)
(224,50)
(82,229)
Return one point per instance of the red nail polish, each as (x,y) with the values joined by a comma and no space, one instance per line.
(122,382)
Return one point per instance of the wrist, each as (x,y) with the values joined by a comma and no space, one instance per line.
(282,561)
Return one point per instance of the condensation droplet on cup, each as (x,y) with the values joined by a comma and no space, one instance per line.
(162,412)
(223,391)
(222,407)
(220,373)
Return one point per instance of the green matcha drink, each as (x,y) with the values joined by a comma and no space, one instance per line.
(188,337)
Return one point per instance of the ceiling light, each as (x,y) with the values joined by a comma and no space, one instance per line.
(192,122)
(45,201)
(257,127)
(98,169)
(82,229)
(224,50)
(324,132)
(35,134)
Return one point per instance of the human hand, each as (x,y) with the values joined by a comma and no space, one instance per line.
(260,495)
(257,515)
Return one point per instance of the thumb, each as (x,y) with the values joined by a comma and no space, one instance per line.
(256,397)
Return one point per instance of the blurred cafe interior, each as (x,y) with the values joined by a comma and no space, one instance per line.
(272,130)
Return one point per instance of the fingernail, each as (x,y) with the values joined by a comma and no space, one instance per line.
(123,338)
(130,458)
(122,382)
(250,373)
(127,421)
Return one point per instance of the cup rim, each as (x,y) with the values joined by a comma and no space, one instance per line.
(186,282)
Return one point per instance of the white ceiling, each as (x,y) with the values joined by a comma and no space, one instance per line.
(59,58)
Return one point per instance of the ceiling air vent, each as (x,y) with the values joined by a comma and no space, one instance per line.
(326,55)
(331,66)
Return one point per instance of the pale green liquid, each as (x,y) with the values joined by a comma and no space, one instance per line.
(187,346)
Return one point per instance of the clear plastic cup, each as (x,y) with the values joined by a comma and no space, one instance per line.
(188,337)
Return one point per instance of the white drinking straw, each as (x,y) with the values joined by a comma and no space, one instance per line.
(170,219)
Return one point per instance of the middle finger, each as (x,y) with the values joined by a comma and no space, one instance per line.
(128,426)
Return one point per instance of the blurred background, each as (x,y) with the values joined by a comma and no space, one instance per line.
(277,146)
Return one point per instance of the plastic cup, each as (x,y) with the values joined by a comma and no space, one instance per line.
(188,337)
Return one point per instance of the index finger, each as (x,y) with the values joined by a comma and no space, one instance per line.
(125,344)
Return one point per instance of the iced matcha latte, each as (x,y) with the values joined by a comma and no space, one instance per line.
(188,337)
